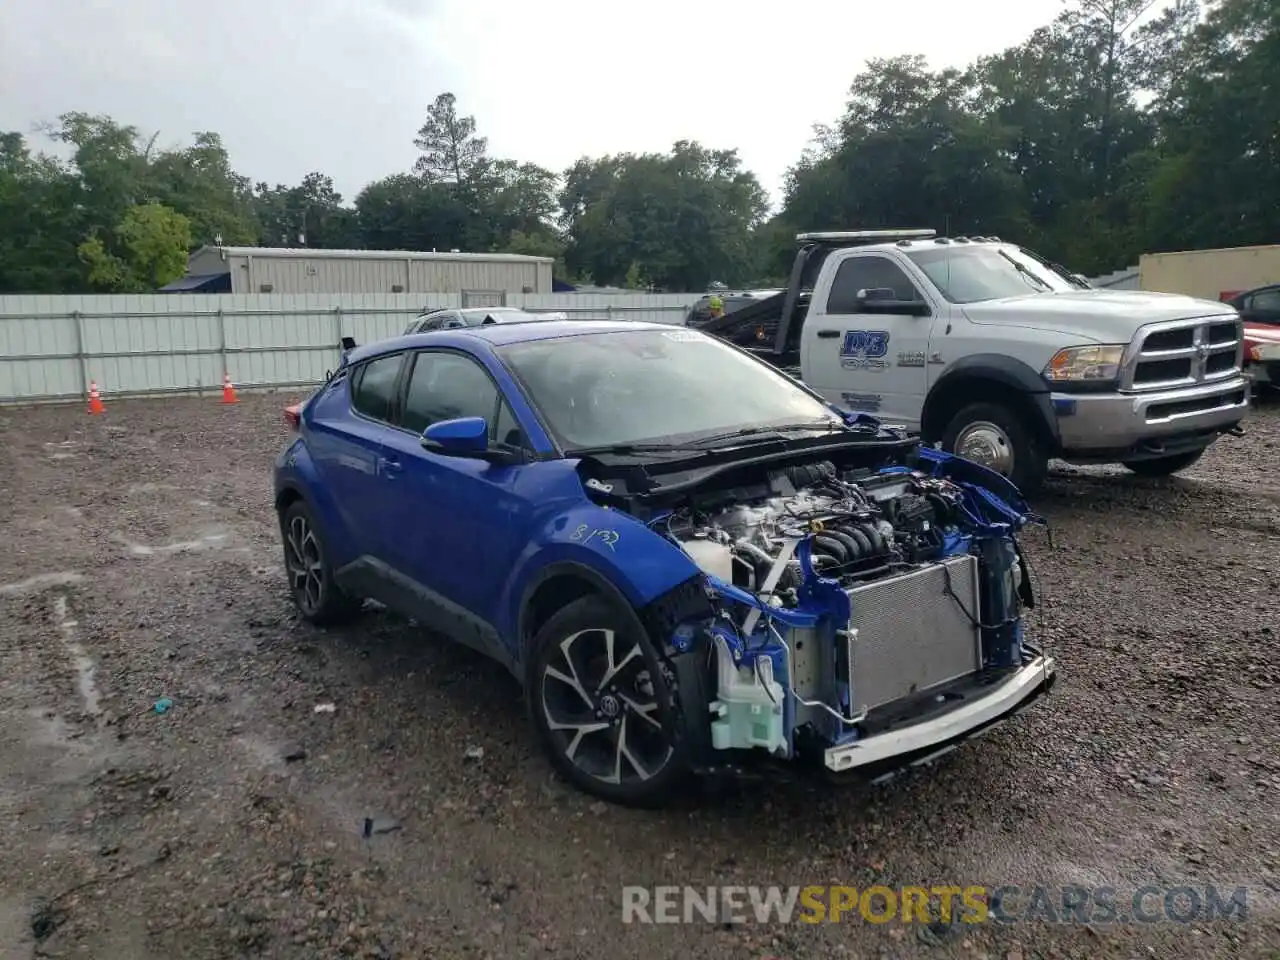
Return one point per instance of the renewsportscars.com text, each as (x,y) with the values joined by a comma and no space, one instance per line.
(971,904)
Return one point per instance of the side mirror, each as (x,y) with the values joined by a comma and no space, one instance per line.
(877,293)
(464,437)
(348,343)
(882,300)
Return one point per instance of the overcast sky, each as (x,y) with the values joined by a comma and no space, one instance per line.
(342,85)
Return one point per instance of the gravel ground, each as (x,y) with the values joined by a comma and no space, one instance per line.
(142,562)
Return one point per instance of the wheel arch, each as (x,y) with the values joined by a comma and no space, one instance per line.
(990,378)
(557,585)
(287,496)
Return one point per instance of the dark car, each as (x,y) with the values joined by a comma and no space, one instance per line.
(451,318)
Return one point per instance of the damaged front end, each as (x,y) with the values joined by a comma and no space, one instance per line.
(862,618)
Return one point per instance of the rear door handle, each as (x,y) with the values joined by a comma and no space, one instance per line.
(828,334)
(389,466)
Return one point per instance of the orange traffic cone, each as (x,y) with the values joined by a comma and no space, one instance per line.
(228,391)
(95,399)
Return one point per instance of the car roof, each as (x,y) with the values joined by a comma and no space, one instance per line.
(500,334)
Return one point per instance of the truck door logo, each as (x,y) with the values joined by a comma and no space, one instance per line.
(864,350)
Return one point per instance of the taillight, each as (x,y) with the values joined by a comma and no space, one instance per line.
(293,416)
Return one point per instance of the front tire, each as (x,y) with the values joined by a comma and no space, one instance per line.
(1165,466)
(306,561)
(603,706)
(998,437)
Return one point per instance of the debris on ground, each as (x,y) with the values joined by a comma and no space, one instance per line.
(1156,747)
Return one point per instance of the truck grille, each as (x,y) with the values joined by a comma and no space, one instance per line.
(1184,352)
(909,633)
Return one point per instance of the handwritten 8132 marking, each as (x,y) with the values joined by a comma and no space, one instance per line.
(585,534)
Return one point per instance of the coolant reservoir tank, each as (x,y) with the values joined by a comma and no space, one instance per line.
(713,559)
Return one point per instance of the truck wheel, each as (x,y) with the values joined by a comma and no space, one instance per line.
(999,438)
(602,708)
(1165,466)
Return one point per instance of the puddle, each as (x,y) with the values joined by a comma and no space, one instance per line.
(139,488)
(60,451)
(85,669)
(42,581)
(210,541)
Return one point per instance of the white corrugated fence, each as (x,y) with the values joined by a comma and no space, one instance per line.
(52,347)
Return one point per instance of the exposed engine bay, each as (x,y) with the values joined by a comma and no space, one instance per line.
(855,610)
(858,528)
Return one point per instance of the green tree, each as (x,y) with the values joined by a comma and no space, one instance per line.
(1212,177)
(146,250)
(199,182)
(675,221)
(310,214)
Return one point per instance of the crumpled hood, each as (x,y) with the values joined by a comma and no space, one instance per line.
(1100,316)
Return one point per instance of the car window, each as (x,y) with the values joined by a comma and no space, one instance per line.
(506,430)
(445,386)
(373,390)
(1267,301)
(867,273)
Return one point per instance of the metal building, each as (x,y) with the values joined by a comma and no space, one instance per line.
(478,276)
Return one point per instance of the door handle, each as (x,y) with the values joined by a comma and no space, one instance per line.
(389,466)
(828,334)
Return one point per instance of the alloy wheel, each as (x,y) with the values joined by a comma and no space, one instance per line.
(305,564)
(601,708)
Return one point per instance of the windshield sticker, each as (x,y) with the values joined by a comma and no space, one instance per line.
(683,336)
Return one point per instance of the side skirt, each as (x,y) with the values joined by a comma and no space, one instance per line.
(367,576)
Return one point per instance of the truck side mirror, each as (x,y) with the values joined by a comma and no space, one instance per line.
(884,300)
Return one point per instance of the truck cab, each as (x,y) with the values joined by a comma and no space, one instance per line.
(996,354)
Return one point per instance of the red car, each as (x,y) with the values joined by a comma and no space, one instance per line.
(1260,310)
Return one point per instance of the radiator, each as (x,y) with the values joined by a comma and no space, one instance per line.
(908,633)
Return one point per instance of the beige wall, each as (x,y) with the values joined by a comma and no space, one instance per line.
(1210,273)
(383,275)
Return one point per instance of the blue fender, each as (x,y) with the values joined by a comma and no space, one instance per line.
(611,548)
(296,471)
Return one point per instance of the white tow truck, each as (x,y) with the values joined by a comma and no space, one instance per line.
(999,355)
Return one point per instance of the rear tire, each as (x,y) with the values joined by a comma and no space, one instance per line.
(1165,466)
(998,437)
(603,708)
(306,561)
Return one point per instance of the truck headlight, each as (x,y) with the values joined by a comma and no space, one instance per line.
(1084,364)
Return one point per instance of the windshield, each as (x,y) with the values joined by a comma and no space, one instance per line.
(973,274)
(653,386)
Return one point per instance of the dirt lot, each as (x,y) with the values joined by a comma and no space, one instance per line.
(141,562)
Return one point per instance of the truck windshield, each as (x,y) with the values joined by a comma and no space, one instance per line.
(974,274)
(653,386)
